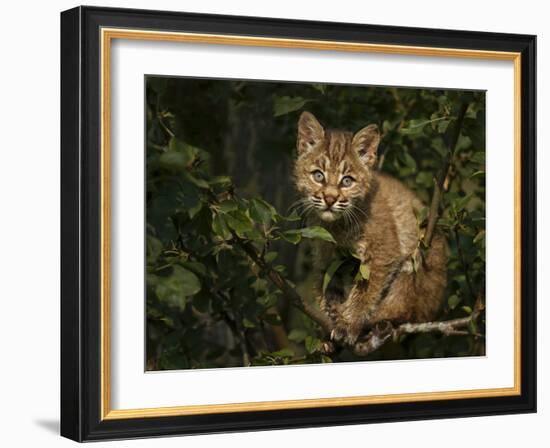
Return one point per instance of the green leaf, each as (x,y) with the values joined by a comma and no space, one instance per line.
(297,335)
(478,173)
(415,126)
(320,87)
(219,226)
(228,206)
(333,267)
(186,280)
(179,156)
(154,249)
(421,215)
(259,285)
(270,256)
(425,179)
(312,344)
(478,157)
(175,288)
(283,353)
(196,267)
(291,236)
(409,163)
(261,211)
(442,126)
(283,105)
(247,323)
(480,236)
(467,309)
(194,210)
(201,183)
(463,142)
(239,222)
(461,202)
(292,217)
(364,269)
(173,160)
(220,180)
(453,301)
(267,301)
(315,232)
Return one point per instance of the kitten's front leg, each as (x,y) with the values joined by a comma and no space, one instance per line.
(361,304)
(330,301)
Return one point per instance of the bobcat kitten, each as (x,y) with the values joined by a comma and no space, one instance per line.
(372,215)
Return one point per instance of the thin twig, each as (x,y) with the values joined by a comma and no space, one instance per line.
(287,289)
(439,181)
(237,329)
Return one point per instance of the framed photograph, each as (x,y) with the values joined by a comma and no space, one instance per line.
(275,224)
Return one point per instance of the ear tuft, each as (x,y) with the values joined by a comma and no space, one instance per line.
(310,132)
(365,142)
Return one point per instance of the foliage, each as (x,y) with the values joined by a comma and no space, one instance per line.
(219,178)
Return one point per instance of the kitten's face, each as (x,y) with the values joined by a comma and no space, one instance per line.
(334,168)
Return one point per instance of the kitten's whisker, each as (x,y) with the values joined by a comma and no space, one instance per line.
(356,221)
(307,209)
(303,206)
(352,223)
(356,208)
(305,214)
(296,204)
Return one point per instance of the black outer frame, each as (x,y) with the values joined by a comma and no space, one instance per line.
(80,223)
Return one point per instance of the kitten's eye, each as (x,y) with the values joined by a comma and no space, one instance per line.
(318,176)
(347,181)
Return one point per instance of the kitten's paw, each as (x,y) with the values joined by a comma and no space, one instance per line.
(338,333)
(327,348)
(353,333)
(346,334)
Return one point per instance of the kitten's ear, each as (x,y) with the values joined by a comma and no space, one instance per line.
(310,132)
(365,142)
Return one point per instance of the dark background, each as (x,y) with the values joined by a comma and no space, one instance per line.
(208,307)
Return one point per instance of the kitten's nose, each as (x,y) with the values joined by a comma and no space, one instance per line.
(329,200)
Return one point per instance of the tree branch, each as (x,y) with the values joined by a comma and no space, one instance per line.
(237,329)
(385,332)
(439,181)
(309,309)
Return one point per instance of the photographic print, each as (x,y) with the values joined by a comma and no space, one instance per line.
(295,223)
(257,214)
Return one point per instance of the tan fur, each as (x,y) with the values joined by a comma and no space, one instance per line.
(373,217)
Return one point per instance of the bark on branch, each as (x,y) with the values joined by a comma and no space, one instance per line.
(386,332)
